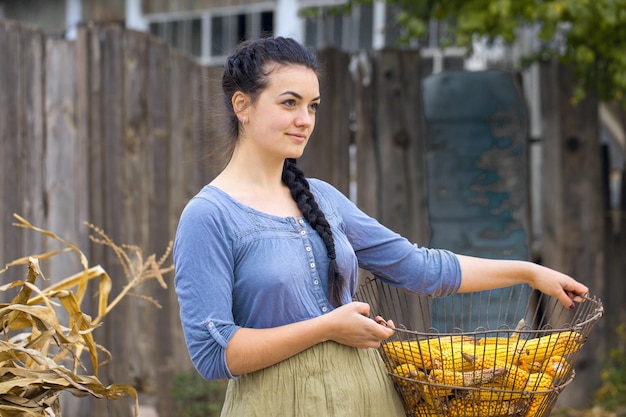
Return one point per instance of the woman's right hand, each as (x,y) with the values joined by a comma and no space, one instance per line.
(350,325)
(250,349)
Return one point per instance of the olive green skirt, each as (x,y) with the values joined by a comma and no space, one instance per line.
(327,380)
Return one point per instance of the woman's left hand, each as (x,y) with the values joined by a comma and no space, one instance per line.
(561,286)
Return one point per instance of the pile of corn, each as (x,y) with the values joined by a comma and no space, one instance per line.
(463,376)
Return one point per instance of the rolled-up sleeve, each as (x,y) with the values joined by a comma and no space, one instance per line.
(203,281)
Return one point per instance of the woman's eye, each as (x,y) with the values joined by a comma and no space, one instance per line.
(289,103)
(315,106)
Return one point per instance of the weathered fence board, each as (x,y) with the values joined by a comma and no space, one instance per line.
(573,207)
(390,144)
(11,141)
(327,152)
(32,124)
(615,294)
(138,176)
(389,138)
(65,161)
(615,284)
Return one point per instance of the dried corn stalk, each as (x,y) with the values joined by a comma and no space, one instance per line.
(40,357)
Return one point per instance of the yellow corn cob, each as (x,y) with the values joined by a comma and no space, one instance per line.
(450,348)
(461,407)
(514,379)
(556,366)
(434,353)
(530,366)
(411,397)
(465,379)
(451,380)
(452,358)
(554,344)
(491,392)
(412,392)
(509,353)
(407,370)
(423,409)
(538,382)
(421,354)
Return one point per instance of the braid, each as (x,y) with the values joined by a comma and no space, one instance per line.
(299,187)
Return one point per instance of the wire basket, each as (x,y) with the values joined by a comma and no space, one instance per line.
(515,361)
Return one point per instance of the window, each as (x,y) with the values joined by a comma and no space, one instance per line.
(326,27)
(211,34)
(184,34)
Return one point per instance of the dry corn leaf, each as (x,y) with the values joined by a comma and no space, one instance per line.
(37,343)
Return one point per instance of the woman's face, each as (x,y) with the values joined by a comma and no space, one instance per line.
(282,119)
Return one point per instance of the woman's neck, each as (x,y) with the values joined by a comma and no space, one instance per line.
(259,186)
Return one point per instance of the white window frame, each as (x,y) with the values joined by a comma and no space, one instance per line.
(206,17)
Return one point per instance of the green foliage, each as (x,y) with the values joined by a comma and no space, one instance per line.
(588,35)
(196,397)
(612,393)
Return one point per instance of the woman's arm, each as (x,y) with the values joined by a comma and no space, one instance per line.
(250,350)
(483,274)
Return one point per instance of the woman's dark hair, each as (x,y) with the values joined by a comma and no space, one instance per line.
(299,187)
(247,70)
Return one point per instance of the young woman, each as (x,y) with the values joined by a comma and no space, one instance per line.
(267,260)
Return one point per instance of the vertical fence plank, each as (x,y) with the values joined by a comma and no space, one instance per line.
(183,113)
(573,205)
(399,130)
(11,187)
(138,199)
(21,141)
(90,120)
(615,235)
(65,180)
(327,153)
(32,122)
(390,145)
(164,130)
(85,86)
(208,150)
(63,151)
(114,222)
(368,175)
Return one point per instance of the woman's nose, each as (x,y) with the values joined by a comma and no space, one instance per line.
(304,118)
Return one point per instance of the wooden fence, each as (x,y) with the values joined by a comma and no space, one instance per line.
(118,129)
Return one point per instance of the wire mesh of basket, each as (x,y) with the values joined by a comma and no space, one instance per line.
(506,352)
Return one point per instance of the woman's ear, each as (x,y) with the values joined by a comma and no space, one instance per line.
(240,102)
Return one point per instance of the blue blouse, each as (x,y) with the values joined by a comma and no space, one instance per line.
(239,267)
